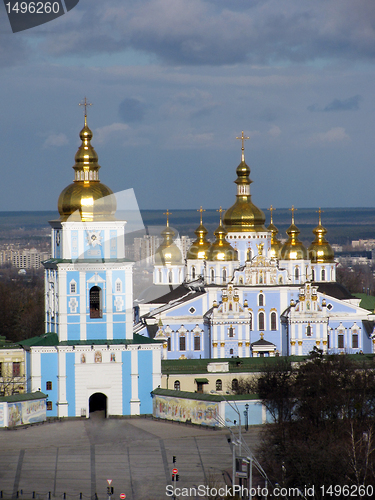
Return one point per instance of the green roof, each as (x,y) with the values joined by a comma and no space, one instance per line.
(27,396)
(367,301)
(203,397)
(51,339)
(236,365)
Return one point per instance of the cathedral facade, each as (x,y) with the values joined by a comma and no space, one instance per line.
(246,294)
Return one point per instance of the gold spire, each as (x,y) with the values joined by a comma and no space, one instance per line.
(293,249)
(82,196)
(200,247)
(167,213)
(320,250)
(243,216)
(221,249)
(275,243)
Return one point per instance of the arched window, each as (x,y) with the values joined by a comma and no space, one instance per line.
(261,321)
(231,352)
(312,275)
(197,343)
(251,321)
(170,276)
(296,273)
(219,385)
(193,273)
(96,302)
(234,384)
(261,299)
(160,277)
(212,275)
(231,331)
(224,275)
(323,275)
(355,341)
(273,321)
(182,343)
(340,341)
(249,254)
(177,385)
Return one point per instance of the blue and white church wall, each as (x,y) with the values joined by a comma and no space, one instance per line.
(71,374)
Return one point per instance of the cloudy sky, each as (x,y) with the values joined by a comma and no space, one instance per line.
(173,82)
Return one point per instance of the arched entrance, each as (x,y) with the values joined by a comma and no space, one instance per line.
(98,403)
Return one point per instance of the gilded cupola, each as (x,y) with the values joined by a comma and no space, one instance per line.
(200,247)
(244,216)
(168,252)
(320,250)
(275,243)
(293,248)
(87,198)
(221,249)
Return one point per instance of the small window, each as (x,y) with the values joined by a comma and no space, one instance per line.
(197,343)
(251,321)
(49,386)
(16,369)
(118,286)
(312,275)
(160,277)
(170,277)
(329,307)
(192,310)
(193,273)
(182,343)
(73,287)
(49,405)
(231,352)
(224,275)
(212,275)
(261,321)
(273,321)
(234,384)
(355,341)
(231,331)
(296,273)
(261,299)
(177,385)
(169,343)
(323,275)
(219,385)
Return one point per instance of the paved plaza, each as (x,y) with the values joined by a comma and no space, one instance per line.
(78,456)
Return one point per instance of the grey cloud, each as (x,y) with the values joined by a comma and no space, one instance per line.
(215,33)
(131,110)
(344,105)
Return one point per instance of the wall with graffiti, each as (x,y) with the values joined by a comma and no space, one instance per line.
(186,410)
(26,412)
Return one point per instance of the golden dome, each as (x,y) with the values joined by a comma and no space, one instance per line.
(244,215)
(221,249)
(275,243)
(293,249)
(200,247)
(168,252)
(320,250)
(81,198)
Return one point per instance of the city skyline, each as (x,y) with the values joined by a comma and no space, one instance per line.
(174,83)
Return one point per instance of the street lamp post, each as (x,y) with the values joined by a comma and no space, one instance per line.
(246,413)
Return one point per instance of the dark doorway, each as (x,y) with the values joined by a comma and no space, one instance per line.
(98,403)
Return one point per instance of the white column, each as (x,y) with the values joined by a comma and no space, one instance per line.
(134,402)
(62,404)
(35,369)
(109,302)
(82,305)
(156,365)
(61,310)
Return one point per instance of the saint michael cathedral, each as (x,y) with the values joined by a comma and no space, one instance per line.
(89,358)
(245,294)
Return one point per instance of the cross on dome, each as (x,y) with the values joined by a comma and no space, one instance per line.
(167,213)
(243,139)
(220,210)
(320,212)
(201,210)
(292,210)
(271,209)
(85,103)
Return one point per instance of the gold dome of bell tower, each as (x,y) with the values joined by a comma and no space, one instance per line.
(293,249)
(200,247)
(86,199)
(221,249)
(244,216)
(275,243)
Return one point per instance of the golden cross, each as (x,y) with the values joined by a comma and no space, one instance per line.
(201,210)
(292,210)
(220,211)
(271,209)
(85,103)
(243,139)
(167,213)
(320,212)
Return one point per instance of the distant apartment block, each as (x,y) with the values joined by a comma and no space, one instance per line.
(145,248)
(365,244)
(184,243)
(23,258)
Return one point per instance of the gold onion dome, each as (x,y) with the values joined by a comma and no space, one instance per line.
(81,198)
(293,248)
(200,247)
(244,215)
(275,243)
(320,250)
(168,252)
(221,249)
